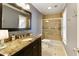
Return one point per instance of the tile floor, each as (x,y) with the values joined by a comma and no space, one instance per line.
(52,48)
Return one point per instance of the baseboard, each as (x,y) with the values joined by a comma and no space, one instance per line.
(64,48)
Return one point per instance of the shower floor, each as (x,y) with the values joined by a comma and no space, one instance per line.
(53,48)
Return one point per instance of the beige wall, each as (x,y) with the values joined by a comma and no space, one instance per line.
(71,28)
(52,29)
(78,26)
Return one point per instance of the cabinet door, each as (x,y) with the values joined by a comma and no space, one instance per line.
(28,50)
(35,50)
(37,47)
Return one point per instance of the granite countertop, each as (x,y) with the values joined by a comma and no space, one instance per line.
(16,45)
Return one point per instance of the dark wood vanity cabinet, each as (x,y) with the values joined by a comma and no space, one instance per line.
(33,49)
(36,49)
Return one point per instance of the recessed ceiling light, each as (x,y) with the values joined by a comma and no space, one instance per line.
(49,7)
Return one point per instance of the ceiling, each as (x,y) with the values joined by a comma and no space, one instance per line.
(43,8)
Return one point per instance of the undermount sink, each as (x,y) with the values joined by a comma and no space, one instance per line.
(27,39)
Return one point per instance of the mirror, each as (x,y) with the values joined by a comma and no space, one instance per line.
(15,18)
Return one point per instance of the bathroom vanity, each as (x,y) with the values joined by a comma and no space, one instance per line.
(23,47)
(15,18)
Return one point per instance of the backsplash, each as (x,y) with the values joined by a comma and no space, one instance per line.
(17,34)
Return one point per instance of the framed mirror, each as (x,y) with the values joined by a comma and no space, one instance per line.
(15,18)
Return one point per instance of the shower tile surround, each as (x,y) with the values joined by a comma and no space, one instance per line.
(52,27)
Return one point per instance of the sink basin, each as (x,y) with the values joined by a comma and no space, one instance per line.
(27,39)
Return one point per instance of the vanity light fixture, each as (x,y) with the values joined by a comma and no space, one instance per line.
(27,6)
(24,6)
(49,8)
